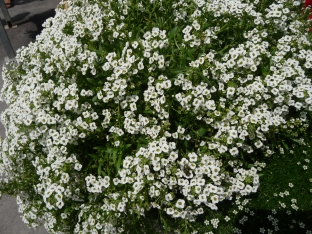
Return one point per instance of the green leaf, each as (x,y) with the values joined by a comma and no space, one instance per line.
(206,25)
(297,141)
(250,166)
(201,75)
(191,52)
(115,154)
(183,61)
(94,156)
(179,37)
(100,148)
(95,98)
(186,144)
(109,151)
(148,111)
(164,222)
(172,32)
(91,81)
(127,146)
(99,197)
(264,69)
(143,140)
(98,52)
(201,131)
(100,167)
(100,75)
(286,146)
(118,163)
(176,70)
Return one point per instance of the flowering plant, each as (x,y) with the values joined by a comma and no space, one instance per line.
(121,109)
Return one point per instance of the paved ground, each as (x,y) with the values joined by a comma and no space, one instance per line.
(28,15)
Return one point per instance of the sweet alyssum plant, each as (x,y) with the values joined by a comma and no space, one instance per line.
(124,108)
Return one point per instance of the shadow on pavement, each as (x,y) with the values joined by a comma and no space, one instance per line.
(20,17)
(38,20)
(21,2)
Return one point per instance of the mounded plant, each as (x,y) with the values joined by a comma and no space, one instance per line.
(125,113)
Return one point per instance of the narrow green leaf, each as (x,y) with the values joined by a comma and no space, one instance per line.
(127,146)
(297,141)
(177,70)
(115,154)
(94,156)
(286,146)
(179,37)
(143,140)
(91,81)
(99,197)
(206,25)
(191,52)
(100,75)
(164,222)
(183,61)
(172,32)
(201,131)
(95,98)
(250,165)
(148,111)
(109,151)
(99,148)
(201,75)
(100,168)
(118,162)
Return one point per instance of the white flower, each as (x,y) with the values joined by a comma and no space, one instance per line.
(230,91)
(234,151)
(170,211)
(180,203)
(258,144)
(135,44)
(192,157)
(155,32)
(140,65)
(150,176)
(59,204)
(78,166)
(233,133)
(169,197)
(215,199)
(133,106)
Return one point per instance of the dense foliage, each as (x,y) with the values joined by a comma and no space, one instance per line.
(124,109)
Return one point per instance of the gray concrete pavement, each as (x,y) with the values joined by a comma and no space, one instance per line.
(28,15)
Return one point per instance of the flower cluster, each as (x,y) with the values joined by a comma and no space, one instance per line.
(123,107)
